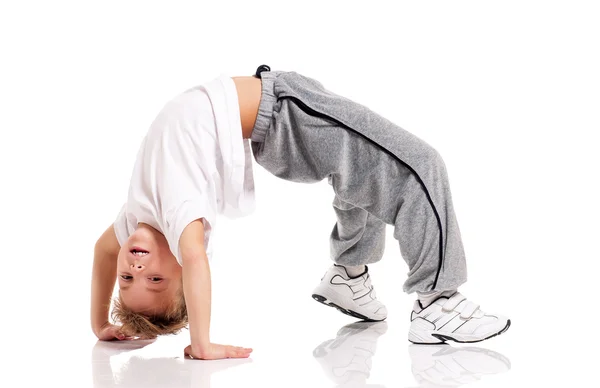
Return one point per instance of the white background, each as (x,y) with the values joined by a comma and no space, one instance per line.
(508,92)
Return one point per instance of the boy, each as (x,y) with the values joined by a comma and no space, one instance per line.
(195,163)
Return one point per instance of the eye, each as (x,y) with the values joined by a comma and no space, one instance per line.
(126,277)
(155,279)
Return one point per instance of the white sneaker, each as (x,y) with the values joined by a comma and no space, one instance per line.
(447,366)
(352,296)
(453,319)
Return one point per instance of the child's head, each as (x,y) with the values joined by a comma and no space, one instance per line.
(150,300)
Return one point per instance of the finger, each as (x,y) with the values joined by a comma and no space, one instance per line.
(239,353)
(121,336)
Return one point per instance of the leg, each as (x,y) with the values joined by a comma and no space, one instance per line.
(414,198)
(375,165)
(358,237)
(426,227)
(372,164)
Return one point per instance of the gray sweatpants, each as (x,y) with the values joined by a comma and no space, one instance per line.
(381,174)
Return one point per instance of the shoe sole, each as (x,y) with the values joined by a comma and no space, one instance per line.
(326,302)
(443,338)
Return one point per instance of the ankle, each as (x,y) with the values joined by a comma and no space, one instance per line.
(355,271)
(426,298)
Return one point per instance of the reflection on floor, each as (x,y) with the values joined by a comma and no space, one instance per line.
(149,372)
(346,360)
(447,366)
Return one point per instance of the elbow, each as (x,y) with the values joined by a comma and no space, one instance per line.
(107,243)
(193,255)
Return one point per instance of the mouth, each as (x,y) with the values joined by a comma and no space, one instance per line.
(139,252)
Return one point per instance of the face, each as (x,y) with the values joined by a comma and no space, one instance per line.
(148,273)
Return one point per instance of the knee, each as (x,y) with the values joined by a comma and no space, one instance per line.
(434,158)
(339,203)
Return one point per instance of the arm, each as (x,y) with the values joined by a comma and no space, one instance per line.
(104,275)
(197,291)
(196,284)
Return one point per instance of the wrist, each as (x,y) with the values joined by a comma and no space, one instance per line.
(200,348)
(98,327)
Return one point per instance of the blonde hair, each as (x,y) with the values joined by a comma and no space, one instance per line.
(136,324)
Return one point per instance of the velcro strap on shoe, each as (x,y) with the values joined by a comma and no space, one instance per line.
(468,309)
(453,302)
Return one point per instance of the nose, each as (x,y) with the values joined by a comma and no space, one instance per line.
(137,267)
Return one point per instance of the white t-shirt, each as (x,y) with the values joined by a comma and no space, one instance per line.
(193,163)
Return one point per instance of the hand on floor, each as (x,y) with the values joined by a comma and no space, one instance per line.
(110,332)
(216,352)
